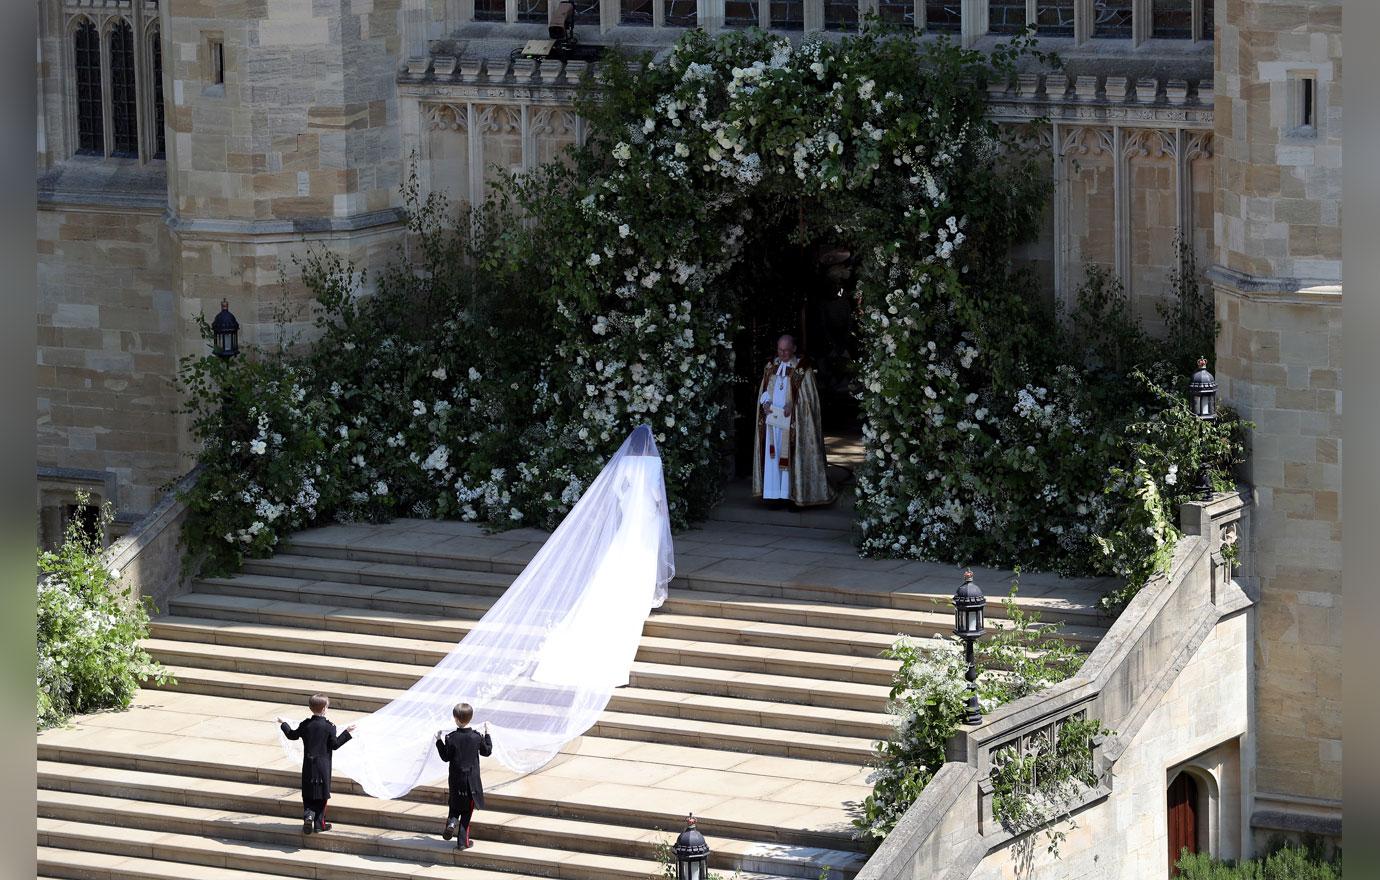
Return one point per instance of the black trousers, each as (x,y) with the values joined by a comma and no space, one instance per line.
(462,806)
(316,805)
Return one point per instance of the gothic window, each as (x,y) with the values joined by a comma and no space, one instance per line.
(681,13)
(156,67)
(899,12)
(532,10)
(740,13)
(943,16)
(124,107)
(489,10)
(1207,19)
(90,111)
(1054,18)
(1172,19)
(1005,16)
(587,12)
(1112,18)
(637,12)
(788,15)
(840,15)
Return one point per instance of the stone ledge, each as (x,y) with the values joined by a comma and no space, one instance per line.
(1304,823)
(1285,290)
(200,227)
(119,184)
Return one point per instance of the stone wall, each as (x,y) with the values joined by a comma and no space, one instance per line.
(1277,279)
(1197,725)
(107,347)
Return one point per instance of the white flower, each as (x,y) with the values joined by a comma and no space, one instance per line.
(682,150)
(439,373)
(344,433)
(622,152)
(474,375)
(418,408)
(818,69)
(624,231)
(258,447)
(593,260)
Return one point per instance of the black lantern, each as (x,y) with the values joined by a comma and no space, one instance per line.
(968,626)
(1202,396)
(692,853)
(227,332)
(1202,393)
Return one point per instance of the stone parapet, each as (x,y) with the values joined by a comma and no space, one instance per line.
(1177,634)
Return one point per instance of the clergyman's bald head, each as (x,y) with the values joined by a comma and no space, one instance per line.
(785,347)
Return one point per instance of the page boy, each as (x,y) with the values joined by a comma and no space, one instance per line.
(319,739)
(462,748)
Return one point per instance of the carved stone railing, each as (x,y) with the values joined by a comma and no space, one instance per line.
(949,829)
(147,562)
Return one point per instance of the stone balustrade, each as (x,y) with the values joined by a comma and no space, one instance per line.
(147,561)
(949,830)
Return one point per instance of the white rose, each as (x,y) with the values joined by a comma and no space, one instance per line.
(258,447)
(624,231)
(594,260)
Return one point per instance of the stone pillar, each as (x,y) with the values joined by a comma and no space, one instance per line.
(1278,298)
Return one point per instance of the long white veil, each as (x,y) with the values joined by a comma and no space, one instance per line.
(541,665)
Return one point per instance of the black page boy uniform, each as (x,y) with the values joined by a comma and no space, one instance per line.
(462,748)
(319,740)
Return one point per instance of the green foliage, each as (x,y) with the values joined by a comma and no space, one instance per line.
(1288,863)
(928,695)
(509,350)
(89,631)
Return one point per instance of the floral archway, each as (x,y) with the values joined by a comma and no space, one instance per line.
(596,295)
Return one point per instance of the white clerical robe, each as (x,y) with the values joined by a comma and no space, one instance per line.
(776,480)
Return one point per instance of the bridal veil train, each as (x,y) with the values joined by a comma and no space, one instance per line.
(542,664)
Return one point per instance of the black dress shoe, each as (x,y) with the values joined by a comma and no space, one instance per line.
(323,826)
(309,822)
(468,843)
(450,829)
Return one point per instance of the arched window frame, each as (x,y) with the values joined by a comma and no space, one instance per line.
(74,26)
(155,146)
(132,102)
(143,19)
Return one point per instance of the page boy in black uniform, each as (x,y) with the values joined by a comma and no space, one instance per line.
(319,739)
(462,748)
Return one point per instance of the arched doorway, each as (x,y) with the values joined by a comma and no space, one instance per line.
(1183,819)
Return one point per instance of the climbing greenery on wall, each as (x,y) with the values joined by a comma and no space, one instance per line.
(502,358)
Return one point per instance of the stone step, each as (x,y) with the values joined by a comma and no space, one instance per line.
(404,816)
(418,847)
(397,677)
(688,627)
(73,864)
(779,801)
(797,690)
(832,578)
(618,725)
(707,655)
(844,609)
(790,625)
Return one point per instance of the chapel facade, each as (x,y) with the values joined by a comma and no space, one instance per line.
(183,159)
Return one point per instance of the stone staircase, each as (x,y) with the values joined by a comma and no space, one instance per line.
(754,700)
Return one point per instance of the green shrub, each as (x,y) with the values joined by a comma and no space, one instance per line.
(89,632)
(1287,863)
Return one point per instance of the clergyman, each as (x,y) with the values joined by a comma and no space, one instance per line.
(788,460)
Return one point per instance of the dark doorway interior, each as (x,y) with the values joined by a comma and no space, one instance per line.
(1183,819)
(806,290)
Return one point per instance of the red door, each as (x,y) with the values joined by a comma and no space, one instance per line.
(1183,819)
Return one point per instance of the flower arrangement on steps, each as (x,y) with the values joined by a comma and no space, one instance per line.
(505,353)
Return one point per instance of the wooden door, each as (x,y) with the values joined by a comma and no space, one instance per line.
(1183,819)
